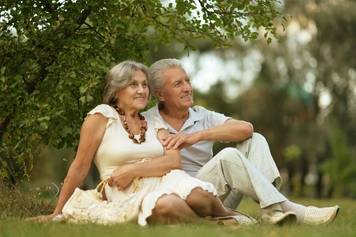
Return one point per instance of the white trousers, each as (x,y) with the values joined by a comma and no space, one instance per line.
(247,170)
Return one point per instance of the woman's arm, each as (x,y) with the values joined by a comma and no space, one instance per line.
(91,134)
(154,167)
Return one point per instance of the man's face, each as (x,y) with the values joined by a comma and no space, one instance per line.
(176,92)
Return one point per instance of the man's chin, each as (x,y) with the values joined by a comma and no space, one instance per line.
(187,105)
(190,103)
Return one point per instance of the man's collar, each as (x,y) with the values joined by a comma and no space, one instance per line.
(194,116)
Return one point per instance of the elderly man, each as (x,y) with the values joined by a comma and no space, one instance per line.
(249,169)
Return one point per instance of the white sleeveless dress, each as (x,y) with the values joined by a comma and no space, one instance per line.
(139,199)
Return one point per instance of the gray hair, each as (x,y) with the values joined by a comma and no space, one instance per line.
(120,77)
(158,67)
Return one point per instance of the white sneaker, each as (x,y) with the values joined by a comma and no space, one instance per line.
(318,216)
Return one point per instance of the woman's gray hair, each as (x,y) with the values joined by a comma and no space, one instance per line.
(158,67)
(120,77)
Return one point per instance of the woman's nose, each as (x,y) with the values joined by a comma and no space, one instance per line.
(141,88)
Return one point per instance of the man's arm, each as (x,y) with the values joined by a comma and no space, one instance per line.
(231,131)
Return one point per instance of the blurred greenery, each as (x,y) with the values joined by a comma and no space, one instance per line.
(302,96)
(25,201)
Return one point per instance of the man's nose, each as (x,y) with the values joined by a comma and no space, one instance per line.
(187,86)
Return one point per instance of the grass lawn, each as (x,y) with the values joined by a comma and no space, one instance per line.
(344,225)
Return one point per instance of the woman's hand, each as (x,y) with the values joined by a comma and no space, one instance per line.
(122,177)
(42,218)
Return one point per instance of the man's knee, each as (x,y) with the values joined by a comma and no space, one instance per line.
(256,140)
(259,137)
(230,154)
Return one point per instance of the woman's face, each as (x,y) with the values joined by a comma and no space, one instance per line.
(135,95)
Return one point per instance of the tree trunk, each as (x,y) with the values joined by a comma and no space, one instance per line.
(6,162)
(319,185)
(304,172)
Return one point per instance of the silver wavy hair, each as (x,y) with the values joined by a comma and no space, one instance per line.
(158,67)
(120,77)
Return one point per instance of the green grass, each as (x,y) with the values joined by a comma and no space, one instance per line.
(344,225)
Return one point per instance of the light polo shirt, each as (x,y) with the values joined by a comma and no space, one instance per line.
(197,155)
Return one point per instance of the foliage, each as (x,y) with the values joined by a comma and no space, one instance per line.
(19,202)
(54,55)
(341,167)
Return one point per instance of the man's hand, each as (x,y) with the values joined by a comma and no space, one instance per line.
(122,177)
(179,140)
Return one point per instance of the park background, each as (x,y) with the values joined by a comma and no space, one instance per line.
(289,67)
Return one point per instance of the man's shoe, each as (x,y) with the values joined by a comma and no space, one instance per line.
(318,216)
(238,219)
(278,217)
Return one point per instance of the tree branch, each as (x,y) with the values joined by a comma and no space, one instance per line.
(94,30)
(49,8)
(31,86)
(3,126)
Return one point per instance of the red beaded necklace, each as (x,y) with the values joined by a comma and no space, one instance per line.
(143,128)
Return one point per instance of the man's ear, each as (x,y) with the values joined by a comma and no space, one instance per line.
(159,95)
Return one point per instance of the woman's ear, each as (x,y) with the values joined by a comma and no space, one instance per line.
(116,98)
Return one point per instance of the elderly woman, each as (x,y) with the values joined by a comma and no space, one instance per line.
(147,180)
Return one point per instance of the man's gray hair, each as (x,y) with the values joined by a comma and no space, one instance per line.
(158,67)
(120,77)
